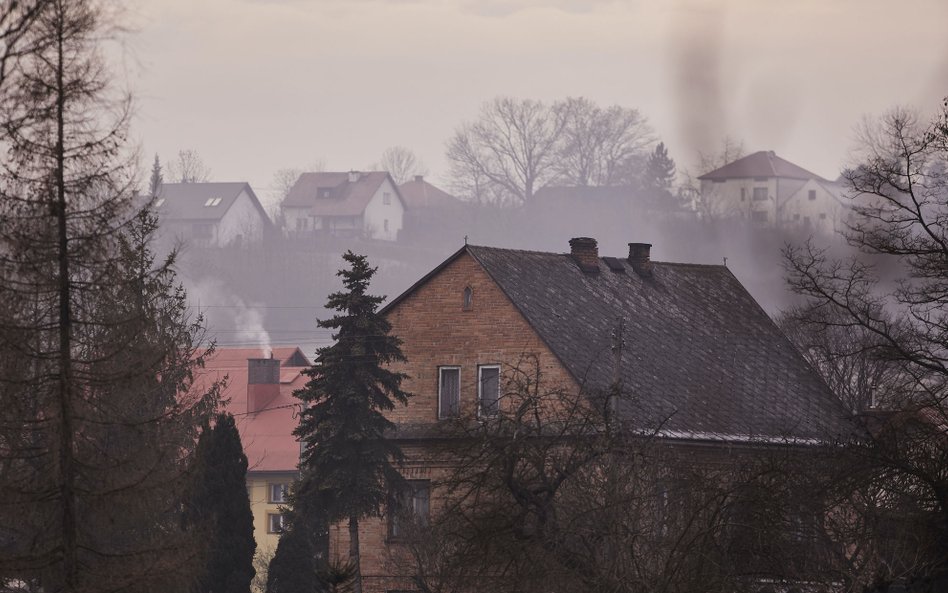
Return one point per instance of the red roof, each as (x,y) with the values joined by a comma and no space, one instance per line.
(765,163)
(332,194)
(267,435)
(418,193)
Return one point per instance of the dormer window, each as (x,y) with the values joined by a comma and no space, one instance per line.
(212,202)
(467,300)
(324,192)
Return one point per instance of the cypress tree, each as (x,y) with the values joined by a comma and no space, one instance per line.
(346,455)
(220,507)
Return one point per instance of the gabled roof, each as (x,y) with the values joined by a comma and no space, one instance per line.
(765,163)
(185,201)
(418,193)
(266,435)
(332,194)
(701,359)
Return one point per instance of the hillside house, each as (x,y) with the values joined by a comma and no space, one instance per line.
(260,386)
(771,191)
(709,367)
(211,214)
(364,204)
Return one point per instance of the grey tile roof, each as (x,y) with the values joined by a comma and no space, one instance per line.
(701,359)
(185,201)
(760,164)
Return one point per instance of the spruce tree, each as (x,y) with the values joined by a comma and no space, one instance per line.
(156,180)
(346,455)
(659,176)
(220,509)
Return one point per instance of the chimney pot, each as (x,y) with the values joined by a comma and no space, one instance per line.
(640,258)
(585,251)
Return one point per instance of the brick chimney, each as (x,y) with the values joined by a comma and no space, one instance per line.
(640,258)
(585,251)
(263,382)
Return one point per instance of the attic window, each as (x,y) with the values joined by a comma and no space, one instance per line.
(467,303)
(386,198)
(324,192)
(212,202)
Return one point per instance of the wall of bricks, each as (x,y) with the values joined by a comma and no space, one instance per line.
(437,331)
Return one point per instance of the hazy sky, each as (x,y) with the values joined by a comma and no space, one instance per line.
(259,85)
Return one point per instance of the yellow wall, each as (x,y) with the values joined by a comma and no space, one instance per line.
(258,487)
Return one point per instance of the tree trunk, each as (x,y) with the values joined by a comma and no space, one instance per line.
(354,553)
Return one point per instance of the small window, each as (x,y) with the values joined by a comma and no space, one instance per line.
(811,195)
(822,215)
(278,492)
(760,194)
(212,202)
(449,392)
(410,507)
(796,217)
(807,222)
(488,390)
(743,194)
(275,523)
(759,216)
(386,198)
(385,225)
(324,192)
(467,302)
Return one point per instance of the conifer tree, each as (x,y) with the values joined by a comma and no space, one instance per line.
(659,176)
(220,508)
(346,454)
(156,179)
(98,410)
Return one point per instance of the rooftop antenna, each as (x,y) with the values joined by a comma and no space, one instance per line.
(465,239)
(725,261)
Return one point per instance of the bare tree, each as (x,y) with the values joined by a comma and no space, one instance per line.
(97,413)
(401,163)
(508,153)
(554,493)
(899,192)
(189,167)
(16,19)
(601,146)
(729,151)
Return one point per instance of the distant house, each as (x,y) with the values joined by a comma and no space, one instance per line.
(212,214)
(431,211)
(259,390)
(769,190)
(366,204)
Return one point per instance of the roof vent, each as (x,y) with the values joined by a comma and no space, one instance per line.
(640,258)
(585,251)
(353,176)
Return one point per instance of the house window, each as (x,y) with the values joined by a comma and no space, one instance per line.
(807,222)
(811,195)
(759,216)
(467,302)
(488,390)
(385,225)
(409,508)
(275,523)
(386,198)
(449,392)
(743,194)
(822,215)
(212,202)
(277,492)
(760,194)
(796,217)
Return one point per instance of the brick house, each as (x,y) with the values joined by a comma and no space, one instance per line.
(709,365)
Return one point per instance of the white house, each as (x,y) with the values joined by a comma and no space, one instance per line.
(211,214)
(769,190)
(367,204)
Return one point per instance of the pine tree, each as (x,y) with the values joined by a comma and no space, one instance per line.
(156,180)
(220,508)
(659,176)
(98,410)
(346,454)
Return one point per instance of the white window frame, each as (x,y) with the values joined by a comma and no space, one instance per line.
(441,370)
(480,384)
(276,522)
(284,488)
